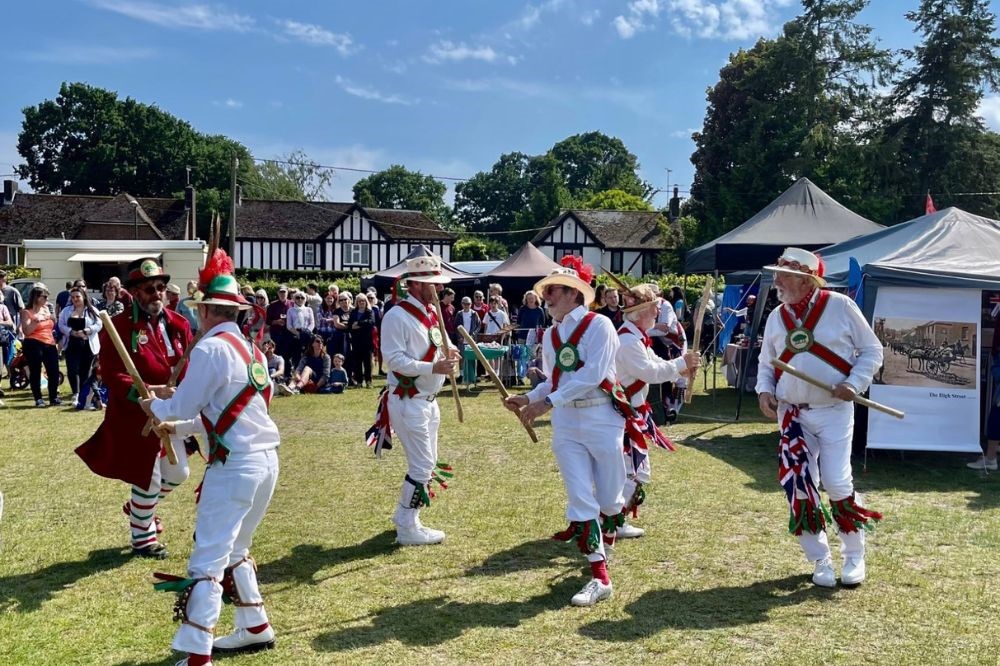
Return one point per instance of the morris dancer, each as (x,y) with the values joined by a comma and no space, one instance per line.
(411,347)
(155,338)
(226,393)
(638,367)
(823,334)
(578,356)
(670,343)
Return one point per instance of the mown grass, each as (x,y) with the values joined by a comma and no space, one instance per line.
(716,579)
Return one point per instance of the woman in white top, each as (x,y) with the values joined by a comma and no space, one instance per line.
(300,322)
(80,324)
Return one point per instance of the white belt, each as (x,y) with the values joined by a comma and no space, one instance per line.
(420,396)
(590,402)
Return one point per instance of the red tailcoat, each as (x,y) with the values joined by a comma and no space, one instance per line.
(118,450)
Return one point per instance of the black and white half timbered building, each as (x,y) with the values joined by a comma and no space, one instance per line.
(620,241)
(301,235)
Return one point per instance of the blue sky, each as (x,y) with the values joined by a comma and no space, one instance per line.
(441,86)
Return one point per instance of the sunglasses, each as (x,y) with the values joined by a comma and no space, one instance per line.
(151,289)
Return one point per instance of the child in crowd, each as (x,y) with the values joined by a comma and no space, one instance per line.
(93,394)
(338,376)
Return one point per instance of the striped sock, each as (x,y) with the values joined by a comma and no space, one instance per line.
(142,506)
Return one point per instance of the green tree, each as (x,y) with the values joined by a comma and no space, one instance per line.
(87,141)
(491,200)
(547,196)
(398,187)
(594,162)
(615,200)
(293,177)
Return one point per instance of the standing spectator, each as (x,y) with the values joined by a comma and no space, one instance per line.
(598,297)
(468,319)
(37,324)
(362,325)
(333,290)
(11,298)
(301,323)
(373,300)
(312,371)
(496,319)
(62,298)
(324,322)
(448,312)
(530,320)
(680,304)
(340,342)
(173,296)
(313,299)
(277,315)
(190,314)
(257,317)
(376,306)
(112,299)
(80,324)
(497,290)
(123,295)
(7,336)
(611,309)
(480,306)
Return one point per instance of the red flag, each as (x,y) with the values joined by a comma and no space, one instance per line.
(929,205)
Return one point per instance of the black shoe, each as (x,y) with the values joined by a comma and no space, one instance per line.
(55,402)
(154,551)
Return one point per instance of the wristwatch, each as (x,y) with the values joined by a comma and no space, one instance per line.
(548,401)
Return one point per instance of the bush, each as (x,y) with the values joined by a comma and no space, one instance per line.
(268,280)
(695,283)
(15,272)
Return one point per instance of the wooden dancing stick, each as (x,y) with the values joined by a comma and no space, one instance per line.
(699,317)
(133,372)
(175,375)
(617,280)
(447,354)
(493,375)
(784,367)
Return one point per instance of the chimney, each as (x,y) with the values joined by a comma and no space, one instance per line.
(9,190)
(190,205)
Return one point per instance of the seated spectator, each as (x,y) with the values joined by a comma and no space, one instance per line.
(275,364)
(312,372)
(338,375)
(535,374)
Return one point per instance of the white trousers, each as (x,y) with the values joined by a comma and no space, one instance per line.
(828,432)
(415,422)
(587,444)
(234,498)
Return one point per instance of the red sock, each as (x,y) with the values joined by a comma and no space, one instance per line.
(259,628)
(199,659)
(599,570)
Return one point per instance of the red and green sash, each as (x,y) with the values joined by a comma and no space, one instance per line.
(407,386)
(258,381)
(636,386)
(800,339)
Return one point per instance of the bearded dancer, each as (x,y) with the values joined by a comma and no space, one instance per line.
(411,345)
(578,357)
(824,335)
(638,367)
(226,394)
(155,337)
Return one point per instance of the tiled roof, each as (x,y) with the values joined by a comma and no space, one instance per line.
(40,216)
(406,224)
(614,229)
(287,220)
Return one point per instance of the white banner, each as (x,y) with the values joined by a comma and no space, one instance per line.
(931,369)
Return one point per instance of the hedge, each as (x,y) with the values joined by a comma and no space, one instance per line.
(695,283)
(268,280)
(15,272)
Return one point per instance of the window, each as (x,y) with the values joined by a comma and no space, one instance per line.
(309,255)
(650,263)
(567,251)
(357,254)
(616,261)
(11,255)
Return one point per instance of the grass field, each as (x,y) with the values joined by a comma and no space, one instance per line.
(716,580)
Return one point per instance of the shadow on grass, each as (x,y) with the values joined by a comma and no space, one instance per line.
(430,622)
(537,554)
(705,609)
(881,470)
(24,593)
(166,661)
(306,560)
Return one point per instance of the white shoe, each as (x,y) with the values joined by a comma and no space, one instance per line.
(418,536)
(243,641)
(184,662)
(629,531)
(823,575)
(284,389)
(983,463)
(74,398)
(853,572)
(591,593)
(90,407)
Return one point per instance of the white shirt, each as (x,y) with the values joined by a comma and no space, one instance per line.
(215,375)
(635,360)
(404,342)
(666,315)
(843,329)
(597,350)
(301,318)
(492,327)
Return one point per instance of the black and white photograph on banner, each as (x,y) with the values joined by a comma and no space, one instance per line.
(919,352)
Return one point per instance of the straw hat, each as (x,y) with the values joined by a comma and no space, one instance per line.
(796,261)
(641,296)
(574,274)
(425,269)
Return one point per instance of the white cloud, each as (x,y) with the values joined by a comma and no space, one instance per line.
(315,35)
(532,15)
(447,51)
(684,133)
(357,90)
(588,18)
(229,103)
(989,110)
(88,55)
(705,19)
(500,84)
(197,16)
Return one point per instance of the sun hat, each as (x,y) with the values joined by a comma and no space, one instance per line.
(796,261)
(573,274)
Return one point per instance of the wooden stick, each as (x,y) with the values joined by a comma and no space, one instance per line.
(447,354)
(133,372)
(699,316)
(493,375)
(784,367)
(175,375)
(617,280)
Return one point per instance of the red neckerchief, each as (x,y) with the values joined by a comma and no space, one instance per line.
(799,309)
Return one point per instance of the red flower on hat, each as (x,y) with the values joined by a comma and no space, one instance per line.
(584,271)
(821,268)
(218,264)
